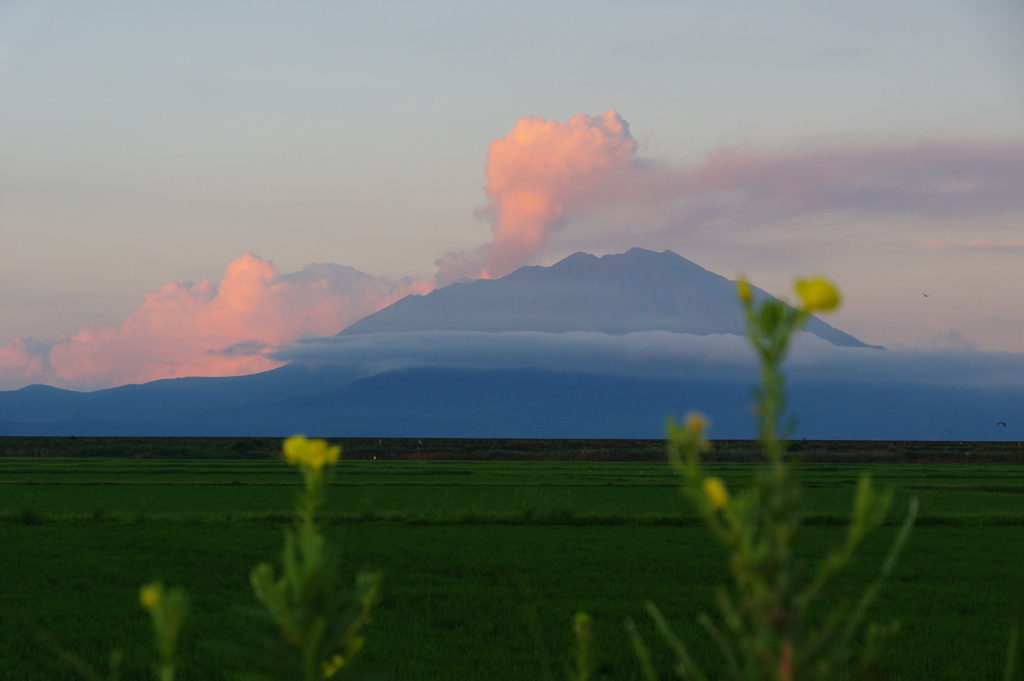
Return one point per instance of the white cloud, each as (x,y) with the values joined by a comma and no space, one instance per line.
(655,354)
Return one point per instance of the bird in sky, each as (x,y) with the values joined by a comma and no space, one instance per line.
(1002,423)
(925,294)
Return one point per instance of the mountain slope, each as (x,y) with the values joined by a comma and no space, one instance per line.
(639,290)
(167,398)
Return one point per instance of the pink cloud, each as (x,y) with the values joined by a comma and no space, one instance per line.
(537,175)
(24,361)
(206,329)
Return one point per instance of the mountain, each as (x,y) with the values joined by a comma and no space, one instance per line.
(167,398)
(618,384)
(639,290)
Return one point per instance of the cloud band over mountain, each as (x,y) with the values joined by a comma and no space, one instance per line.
(653,354)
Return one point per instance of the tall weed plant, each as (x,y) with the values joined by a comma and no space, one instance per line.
(319,622)
(765,629)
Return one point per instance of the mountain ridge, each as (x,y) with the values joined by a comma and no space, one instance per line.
(639,290)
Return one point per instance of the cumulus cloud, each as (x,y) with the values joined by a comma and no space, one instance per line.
(24,361)
(207,329)
(653,354)
(538,175)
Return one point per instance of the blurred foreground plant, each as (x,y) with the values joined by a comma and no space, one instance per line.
(320,623)
(582,667)
(766,631)
(167,610)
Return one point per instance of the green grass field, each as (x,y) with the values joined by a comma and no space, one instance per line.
(485,562)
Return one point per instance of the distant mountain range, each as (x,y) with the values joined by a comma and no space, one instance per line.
(629,300)
(521,403)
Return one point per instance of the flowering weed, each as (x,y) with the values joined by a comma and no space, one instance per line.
(765,630)
(319,623)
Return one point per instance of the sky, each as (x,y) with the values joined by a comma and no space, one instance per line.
(186,187)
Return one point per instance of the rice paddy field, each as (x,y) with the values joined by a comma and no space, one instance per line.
(485,560)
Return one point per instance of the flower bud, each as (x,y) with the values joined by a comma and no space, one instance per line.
(716,492)
(314,454)
(331,666)
(696,424)
(151,595)
(817,294)
(744,291)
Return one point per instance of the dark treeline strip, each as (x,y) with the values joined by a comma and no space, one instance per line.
(478,449)
(470,517)
(388,483)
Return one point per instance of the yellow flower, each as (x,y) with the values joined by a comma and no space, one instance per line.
(696,424)
(817,294)
(151,595)
(332,665)
(313,454)
(744,291)
(716,492)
